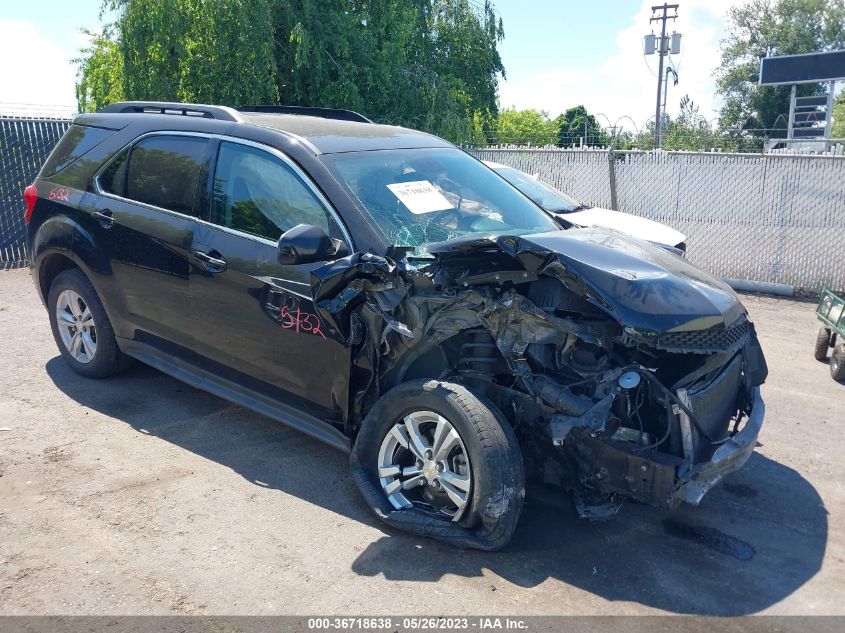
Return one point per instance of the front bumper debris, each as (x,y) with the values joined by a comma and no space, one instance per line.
(729,457)
(608,468)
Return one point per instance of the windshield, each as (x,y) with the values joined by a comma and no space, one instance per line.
(420,196)
(546,196)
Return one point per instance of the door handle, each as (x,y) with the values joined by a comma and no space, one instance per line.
(105,218)
(211,263)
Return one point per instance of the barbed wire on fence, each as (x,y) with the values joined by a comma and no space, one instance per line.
(697,133)
(688,132)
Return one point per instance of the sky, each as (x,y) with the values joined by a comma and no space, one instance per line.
(591,54)
(557,54)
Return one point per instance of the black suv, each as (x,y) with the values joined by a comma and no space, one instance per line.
(386,293)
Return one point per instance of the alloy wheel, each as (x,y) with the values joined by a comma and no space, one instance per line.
(76,326)
(423,461)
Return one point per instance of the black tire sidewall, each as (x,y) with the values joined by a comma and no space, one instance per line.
(458,405)
(107,357)
(822,344)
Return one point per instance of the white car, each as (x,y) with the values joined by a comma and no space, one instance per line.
(569,210)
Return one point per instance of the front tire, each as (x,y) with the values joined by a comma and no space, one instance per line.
(81,328)
(435,459)
(822,344)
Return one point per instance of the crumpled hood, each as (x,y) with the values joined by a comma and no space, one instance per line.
(641,285)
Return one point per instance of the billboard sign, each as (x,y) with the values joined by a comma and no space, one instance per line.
(799,69)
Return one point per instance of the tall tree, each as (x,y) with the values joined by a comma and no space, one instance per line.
(524,127)
(576,125)
(689,131)
(197,50)
(100,80)
(430,64)
(771,27)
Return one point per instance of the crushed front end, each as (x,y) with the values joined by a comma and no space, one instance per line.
(625,371)
(674,422)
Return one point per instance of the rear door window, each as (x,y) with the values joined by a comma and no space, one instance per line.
(113,178)
(164,171)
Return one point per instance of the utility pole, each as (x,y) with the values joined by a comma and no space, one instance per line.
(661,14)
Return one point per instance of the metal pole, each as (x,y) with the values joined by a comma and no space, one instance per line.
(660,48)
(612,173)
(789,125)
(662,51)
(828,119)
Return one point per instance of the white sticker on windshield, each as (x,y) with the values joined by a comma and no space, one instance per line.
(420,196)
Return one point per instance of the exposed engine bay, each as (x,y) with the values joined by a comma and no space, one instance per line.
(623,372)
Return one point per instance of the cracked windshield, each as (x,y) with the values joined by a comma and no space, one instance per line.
(420,196)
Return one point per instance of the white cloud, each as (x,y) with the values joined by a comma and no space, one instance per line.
(35,72)
(625,82)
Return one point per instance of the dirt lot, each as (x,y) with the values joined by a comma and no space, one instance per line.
(140,495)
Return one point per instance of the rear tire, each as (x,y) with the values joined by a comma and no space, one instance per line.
(494,462)
(81,328)
(822,344)
(837,363)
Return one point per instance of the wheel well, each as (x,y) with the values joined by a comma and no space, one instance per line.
(50,269)
(428,364)
(468,349)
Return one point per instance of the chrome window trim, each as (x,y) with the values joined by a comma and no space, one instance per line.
(297,170)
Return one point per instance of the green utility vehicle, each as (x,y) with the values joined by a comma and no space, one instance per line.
(831,312)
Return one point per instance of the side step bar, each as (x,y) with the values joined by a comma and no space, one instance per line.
(228,390)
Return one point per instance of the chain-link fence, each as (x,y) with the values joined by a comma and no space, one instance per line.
(24,146)
(772,218)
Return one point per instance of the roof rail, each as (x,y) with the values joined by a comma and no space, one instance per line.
(221,113)
(325,113)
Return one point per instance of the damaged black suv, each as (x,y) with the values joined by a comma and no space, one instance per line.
(382,291)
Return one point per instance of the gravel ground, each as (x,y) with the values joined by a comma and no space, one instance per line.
(141,495)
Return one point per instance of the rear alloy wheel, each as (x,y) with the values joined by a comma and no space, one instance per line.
(81,328)
(423,460)
(822,344)
(76,326)
(837,363)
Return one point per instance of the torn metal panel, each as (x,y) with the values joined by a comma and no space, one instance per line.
(339,286)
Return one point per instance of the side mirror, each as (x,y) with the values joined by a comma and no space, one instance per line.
(306,243)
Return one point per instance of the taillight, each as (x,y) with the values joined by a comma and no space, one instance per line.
(30,195)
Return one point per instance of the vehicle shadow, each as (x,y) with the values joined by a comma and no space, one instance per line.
(753,541)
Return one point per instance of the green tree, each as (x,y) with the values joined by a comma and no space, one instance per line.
(838,129)
(204,51)
(576,125)
(430,64)
(771,27)
(100,80)
(689,131)
(524,127)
